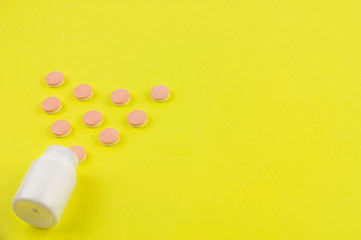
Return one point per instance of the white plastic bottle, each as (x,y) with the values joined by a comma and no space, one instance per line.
(47,187)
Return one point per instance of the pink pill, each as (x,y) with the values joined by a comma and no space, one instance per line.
(120,97)
(55,79)
(79,151)
(92,118)
(109,136)
(137,118)
(60,128)
(83,92)
(51,105)
(160,93)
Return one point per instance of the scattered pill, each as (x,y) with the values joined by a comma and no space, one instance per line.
(160,93)
(60,128)
(79,151)
(137,118)
(51,105)
(55,79)
(120,97)
(83,92)
(109,136)
(92,118)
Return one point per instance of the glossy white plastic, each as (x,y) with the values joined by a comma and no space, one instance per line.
(47,187)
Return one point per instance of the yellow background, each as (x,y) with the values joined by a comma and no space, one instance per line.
(259,140)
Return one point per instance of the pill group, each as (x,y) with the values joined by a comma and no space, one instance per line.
(94,118)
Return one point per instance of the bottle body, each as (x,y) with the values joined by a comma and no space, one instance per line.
(46,187)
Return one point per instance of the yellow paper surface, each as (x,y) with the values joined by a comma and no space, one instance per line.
(260,138)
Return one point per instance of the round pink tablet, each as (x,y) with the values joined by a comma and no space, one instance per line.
(51,105)
(79,151)
(83,92)
(92,118)
(120,97)
(137,118)
(160,93)
(109,136)
(60,128)
(55,79)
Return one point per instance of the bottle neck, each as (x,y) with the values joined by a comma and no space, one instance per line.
(63,154)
